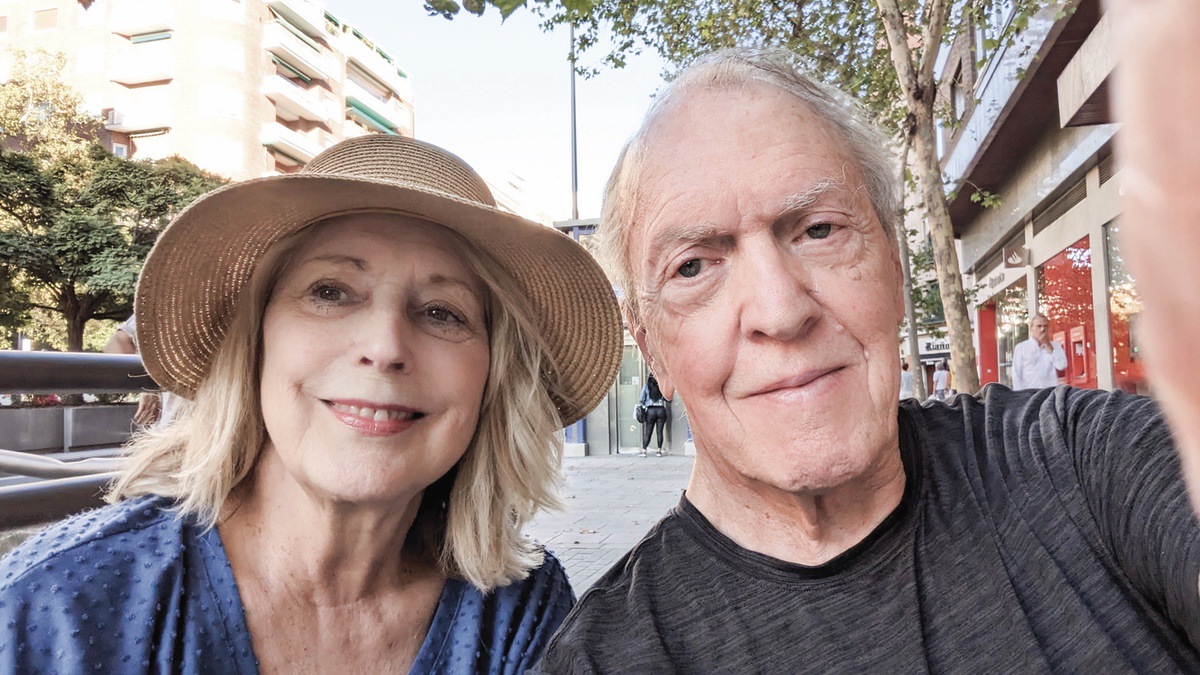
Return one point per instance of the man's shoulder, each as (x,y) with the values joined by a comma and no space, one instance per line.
(617,611)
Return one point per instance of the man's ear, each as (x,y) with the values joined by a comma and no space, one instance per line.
(648,349)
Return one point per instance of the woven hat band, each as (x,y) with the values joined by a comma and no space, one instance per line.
(405,162)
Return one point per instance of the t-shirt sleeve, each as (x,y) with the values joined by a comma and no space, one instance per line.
(570,652)
(1131,479)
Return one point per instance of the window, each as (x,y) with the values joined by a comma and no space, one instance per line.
(45,19)
(120,150)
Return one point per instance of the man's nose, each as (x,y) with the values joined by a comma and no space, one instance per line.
(777,295)
(383,339)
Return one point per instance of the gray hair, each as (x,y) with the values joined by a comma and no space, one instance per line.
(730,69)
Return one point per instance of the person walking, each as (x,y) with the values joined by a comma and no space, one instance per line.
(906,382)
(655,413)
(941,381)
(1036,361)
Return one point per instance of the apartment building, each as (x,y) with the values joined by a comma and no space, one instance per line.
(1032,125)
(243,88)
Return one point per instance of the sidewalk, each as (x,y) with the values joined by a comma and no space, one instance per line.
(611,502)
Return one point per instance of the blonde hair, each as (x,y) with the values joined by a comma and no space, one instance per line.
(726,70)
(470,519)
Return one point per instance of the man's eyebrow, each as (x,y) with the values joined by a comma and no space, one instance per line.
(802,200)
(670,238)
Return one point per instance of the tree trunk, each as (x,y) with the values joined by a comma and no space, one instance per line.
(910,313)
(958,321)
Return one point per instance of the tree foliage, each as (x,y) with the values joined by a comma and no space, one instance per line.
(75,232)
(40,113)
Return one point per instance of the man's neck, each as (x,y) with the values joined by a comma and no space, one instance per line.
(798,527)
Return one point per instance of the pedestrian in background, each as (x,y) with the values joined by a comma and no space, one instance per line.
(906,382)
(1036,361)
(941,381)
(155,408)
(654,415)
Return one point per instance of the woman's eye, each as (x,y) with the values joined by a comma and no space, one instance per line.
(442,315)
(819,231)
(329,294)
(689,269)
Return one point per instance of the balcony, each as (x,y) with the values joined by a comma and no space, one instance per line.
(293,102)
(1083,85)
(138,17)
(387,117)
(291,143)
(138,120)
(306,15)
(298,54)
(144,63)
(376,66)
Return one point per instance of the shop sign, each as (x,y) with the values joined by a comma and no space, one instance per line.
(935,345)
(1016,256)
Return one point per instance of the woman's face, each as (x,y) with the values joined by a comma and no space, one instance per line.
(375,356)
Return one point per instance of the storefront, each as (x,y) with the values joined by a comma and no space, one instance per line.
(1124,309)
(1064,288)
(1002,321)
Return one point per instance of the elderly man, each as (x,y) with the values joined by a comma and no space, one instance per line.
(826,528)
(1036,361)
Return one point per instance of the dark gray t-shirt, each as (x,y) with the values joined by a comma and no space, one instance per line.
(1040,531)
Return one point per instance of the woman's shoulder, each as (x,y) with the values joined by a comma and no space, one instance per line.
(94,542)
(501,630)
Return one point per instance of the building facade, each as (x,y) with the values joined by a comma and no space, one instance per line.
(242,88)
(1032,125)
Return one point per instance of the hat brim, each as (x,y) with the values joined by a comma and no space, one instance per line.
(194,276)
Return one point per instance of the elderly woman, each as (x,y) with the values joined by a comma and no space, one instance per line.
(379,362)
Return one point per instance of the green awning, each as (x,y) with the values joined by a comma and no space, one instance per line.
(288,67)
(372,118)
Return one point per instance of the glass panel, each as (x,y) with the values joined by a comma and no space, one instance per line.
(1012,326)
(1124,308)
(629,388)
(1064,285)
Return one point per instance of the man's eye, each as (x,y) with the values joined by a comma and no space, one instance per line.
(819,231)
(689,269)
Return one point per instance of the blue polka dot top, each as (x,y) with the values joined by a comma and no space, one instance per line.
(131,588)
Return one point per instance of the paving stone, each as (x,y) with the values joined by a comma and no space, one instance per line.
(611,502)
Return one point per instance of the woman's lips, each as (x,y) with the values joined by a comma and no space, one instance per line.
(374,419)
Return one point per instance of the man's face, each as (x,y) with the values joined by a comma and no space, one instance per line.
(1039,330)
(770,293)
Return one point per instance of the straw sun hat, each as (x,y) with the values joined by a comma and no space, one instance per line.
(194,275)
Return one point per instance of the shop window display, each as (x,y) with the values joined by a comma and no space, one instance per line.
(1012,326)
(1124,308)
(1064,285)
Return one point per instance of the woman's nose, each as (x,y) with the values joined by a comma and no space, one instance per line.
(384,340)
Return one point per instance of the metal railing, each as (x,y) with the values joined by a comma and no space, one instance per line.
(42,489)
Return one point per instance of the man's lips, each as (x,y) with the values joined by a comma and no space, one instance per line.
(374,418)
(798,381)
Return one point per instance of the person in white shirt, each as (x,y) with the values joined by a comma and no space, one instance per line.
(906,382)
(1036,361)
(941,381)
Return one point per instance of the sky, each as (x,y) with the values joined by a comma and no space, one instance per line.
(498,95)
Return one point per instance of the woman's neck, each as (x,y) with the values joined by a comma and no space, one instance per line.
(320,551)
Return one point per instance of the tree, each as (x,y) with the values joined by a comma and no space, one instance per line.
(75,232)
(42,114)
(881,52)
